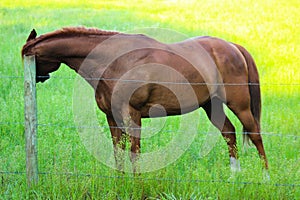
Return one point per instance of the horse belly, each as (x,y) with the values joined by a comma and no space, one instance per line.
(173,100)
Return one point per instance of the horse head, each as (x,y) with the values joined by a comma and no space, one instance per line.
(45,63)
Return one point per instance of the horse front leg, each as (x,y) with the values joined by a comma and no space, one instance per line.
(135,151)
(119,142)
(133,129)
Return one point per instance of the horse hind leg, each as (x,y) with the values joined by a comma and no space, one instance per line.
(215,112)
(250,127)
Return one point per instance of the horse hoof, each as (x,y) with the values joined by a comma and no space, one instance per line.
(235,165)
(266,176)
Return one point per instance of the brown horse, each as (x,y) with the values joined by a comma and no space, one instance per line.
(135,76)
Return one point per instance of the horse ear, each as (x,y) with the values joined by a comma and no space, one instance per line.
(32,35)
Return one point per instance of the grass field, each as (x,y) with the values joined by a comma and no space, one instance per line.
(268,29)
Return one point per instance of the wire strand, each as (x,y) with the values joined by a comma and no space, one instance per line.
(157,82)
(142,129)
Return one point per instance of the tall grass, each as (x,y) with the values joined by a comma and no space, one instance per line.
(268,29)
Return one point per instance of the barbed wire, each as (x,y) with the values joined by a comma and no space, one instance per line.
(167,179)
(157,82)
(143,129)
(8,77)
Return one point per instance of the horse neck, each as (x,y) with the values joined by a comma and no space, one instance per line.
(78,53)
(90,56)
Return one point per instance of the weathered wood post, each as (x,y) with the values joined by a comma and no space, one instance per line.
(30,119)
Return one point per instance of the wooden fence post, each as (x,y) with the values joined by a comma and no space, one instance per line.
(30,113)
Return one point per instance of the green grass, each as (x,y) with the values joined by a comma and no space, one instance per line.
(268,29)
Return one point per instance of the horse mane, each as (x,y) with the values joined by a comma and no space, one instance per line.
(77,31)
(67,32)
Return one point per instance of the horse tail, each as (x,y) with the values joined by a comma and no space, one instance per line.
(254,88)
